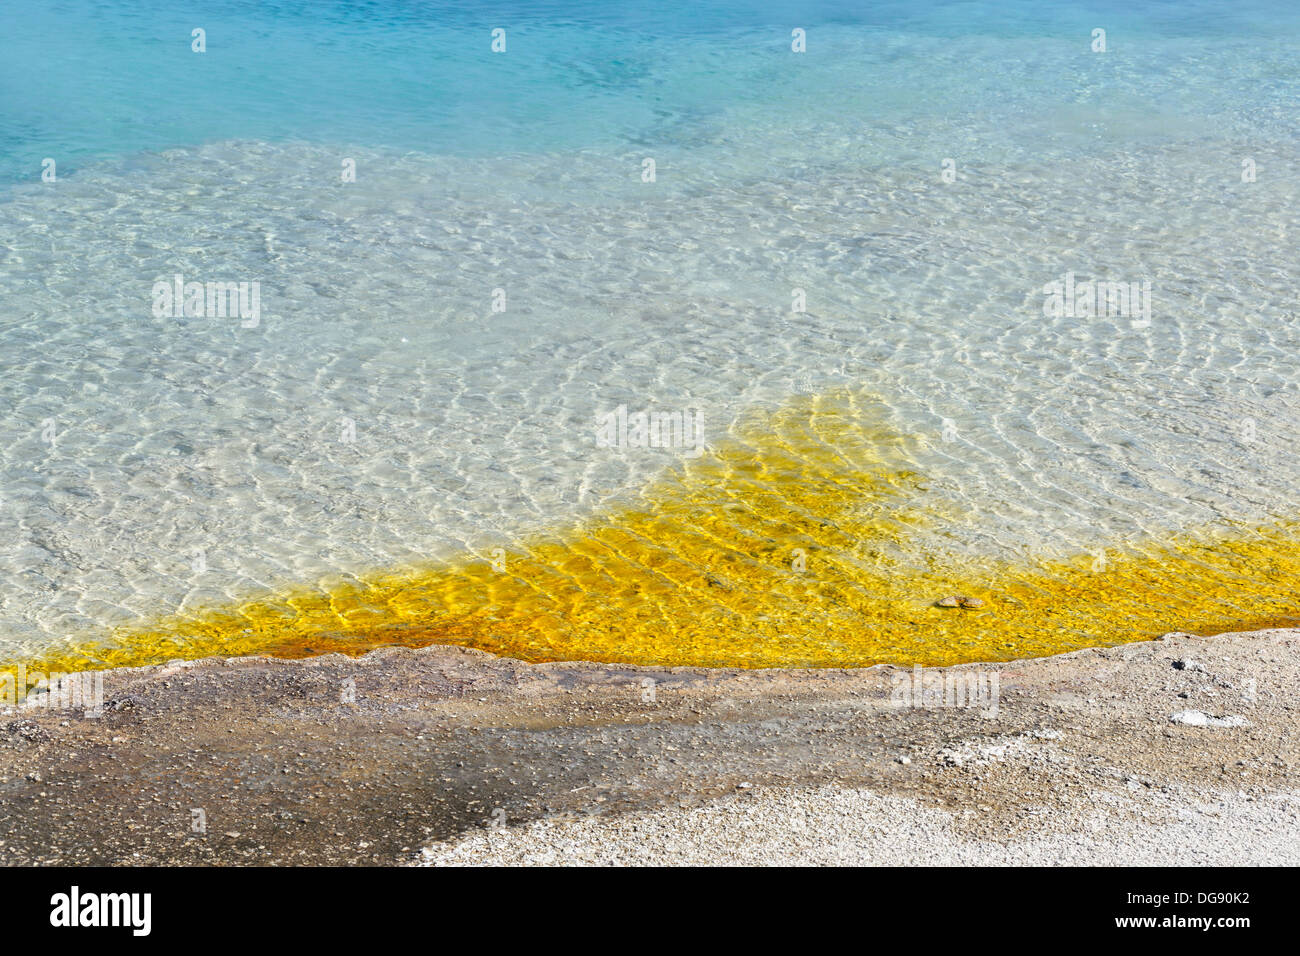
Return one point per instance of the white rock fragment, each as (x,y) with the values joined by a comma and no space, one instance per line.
(1196,718)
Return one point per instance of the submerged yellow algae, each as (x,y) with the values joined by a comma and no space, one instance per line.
(794,543)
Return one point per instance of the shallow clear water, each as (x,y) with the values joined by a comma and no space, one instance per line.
(380,413)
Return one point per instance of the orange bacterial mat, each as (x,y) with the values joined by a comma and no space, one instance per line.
(806,539)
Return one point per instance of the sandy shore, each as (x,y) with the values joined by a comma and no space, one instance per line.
(445,755)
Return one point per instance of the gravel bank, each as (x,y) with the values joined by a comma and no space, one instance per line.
(1183,749)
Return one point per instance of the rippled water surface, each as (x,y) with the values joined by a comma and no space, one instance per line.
(799,266)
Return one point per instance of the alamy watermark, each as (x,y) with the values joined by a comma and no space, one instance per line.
(623,429)
(130,910)
(53,691)
(1085,299)
(208,300)
(967,688)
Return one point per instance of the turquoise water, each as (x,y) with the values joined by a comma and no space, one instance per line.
(160,462)
(87,80)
